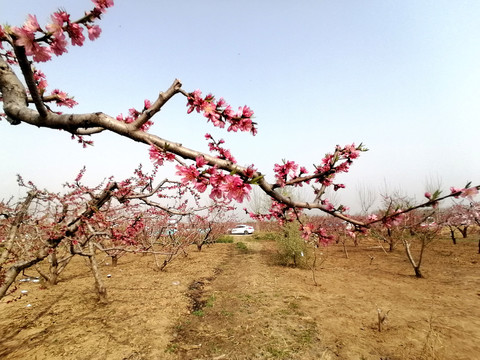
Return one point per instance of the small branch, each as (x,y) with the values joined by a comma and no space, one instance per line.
(382,318)
(162,99)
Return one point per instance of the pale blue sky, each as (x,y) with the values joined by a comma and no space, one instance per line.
(403,77)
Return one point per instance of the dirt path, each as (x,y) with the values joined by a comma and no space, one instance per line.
(249,313)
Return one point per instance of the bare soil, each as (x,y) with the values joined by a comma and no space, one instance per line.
(226,302)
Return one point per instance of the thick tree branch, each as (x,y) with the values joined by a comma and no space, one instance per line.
(28,75)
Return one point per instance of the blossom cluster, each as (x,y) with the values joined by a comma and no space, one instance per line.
(290,173)
(338,162)
(224,186)
(61,98)
(216,146)
(279,212)
(467,192)
(54,36)
(318,233)
(127,236)
(159,156)
(289,168)
(133,115)
(220,113)
(392,220)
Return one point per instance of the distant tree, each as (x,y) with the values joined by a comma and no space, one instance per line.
(458,217)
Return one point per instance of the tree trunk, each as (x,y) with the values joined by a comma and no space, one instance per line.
(114,260)
(418,273)
(416,267)
(17,222)
(452,235)
(391,245)
(99,285)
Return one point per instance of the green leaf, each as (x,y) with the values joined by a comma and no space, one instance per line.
(255,181)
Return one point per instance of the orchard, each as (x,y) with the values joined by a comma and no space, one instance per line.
(177,225)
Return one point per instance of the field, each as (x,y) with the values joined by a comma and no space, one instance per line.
(234,302)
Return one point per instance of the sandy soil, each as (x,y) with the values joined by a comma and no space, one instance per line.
(229,303)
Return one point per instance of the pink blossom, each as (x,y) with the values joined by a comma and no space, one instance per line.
(343,167)
(94,32)
(228,113)
(217,178)
(56,27)
(40,79)
(189,173)
(221,103)
(200,161)
(283,171)
(246,111)
(158,157)
(469,193)
(195,101)
(307,230)
(235,188)
(146,125)
(250,171)
(323,237)
(428,195)
(59,45)
(343,208)
(25,38)
(454,190)
(63,99)
(41,53)
(216,193)
(201,184)
(101,5)
(31,25)
(351,151)
(394,220)
(327,181)
(75,32)
(328,205)
(147,104)
(134,112)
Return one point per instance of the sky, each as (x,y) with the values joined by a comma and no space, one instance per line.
(401,77)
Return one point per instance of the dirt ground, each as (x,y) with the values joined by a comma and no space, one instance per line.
(232,303)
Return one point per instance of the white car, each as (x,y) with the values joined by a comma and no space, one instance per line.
(242,230)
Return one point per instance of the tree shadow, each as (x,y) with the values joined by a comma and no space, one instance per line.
(9,333)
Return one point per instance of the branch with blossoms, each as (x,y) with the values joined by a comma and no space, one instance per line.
(217,170)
